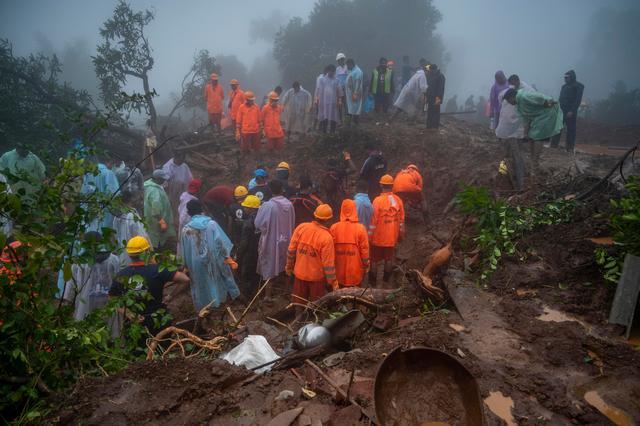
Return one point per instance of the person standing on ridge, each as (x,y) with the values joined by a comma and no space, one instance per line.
(495,103)
(435,95)
(329,100)
(236,98)
(214,97)
(296,103)
(354,95)
(570,100)
(248,124)
(271,122)
(382,86)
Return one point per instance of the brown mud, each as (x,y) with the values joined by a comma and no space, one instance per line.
(546,368)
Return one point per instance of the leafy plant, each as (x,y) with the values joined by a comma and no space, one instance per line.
(625,224)
(499,224)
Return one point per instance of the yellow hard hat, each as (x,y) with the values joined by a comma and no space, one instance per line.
(386,180)
(234,81)
(137,245)
(248,95)
(323,212)
(240,191)
(283,165)
(213,76)
(273,96)
(251,201)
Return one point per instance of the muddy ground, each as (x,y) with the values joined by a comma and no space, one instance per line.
(535,334)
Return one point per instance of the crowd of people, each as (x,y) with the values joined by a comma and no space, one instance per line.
(230,240)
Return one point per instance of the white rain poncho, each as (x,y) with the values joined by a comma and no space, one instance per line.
(6,224)
(296,110)
(412,92)
(104,182)
(328,92)
(89,285)
(510,124)
(126,226)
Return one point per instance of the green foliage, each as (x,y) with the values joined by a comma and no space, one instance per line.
(390,28)
(42,348)
(625,224)
(34,104)
(499,225)
(125,53)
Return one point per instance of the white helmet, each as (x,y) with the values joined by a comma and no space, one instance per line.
(340,56)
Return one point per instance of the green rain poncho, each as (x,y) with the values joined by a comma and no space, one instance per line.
(156,207)
(12,164)
(544,121)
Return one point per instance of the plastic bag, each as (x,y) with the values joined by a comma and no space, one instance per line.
(312,335)
(252,352)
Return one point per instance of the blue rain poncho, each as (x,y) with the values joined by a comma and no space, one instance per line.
(544,122)
(205,247)
(104,182)
(364,208)
(353,87)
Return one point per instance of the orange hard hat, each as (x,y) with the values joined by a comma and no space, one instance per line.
(213,76)
(323,212)
(234,81)
(386,180)
(273,96)
(248,95)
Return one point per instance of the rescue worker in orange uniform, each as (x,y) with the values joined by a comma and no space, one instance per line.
(386,229)
(271,122)
(236,98)
(311,258)
(214,96)
(248,123)
(408,186)
(352,246)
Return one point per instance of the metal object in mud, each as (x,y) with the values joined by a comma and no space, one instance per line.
(423,385)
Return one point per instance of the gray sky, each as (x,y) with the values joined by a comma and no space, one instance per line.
(539,40)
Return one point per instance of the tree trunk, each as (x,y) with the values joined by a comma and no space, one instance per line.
(148,96)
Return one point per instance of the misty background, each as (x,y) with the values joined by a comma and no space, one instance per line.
(538,40)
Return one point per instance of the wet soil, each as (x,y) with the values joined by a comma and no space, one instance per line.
(545,367)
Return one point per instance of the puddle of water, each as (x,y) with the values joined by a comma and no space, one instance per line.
(617,416)
(457,327)
(552,315)
(501,406)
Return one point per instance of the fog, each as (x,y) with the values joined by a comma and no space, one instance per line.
(539,40)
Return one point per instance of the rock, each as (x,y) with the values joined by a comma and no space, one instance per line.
(408,321)
(284,395)
(286,418)
(333,359)
(304,420)
(317,411)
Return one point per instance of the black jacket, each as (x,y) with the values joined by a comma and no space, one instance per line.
(435,80)
(571,94)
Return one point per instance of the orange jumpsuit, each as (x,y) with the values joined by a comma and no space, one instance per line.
(272,127)
(387,224)
(236,98)
(311,258)
(248,122)
(408,186)
(214,96)
(352,246)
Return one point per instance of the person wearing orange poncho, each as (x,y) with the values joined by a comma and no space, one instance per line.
(352,246)
(214,96)
(408,186)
